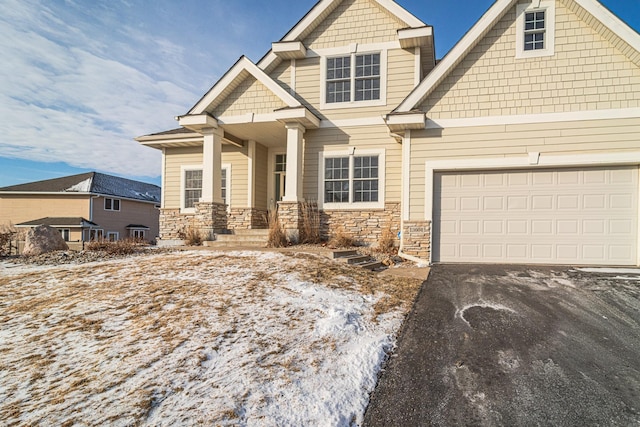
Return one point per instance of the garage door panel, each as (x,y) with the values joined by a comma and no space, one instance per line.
(581,216)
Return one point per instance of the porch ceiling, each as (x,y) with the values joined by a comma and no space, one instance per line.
(270,134)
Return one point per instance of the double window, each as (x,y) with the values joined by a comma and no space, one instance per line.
(66,233)
(356,77)
(111,204)
(352,180)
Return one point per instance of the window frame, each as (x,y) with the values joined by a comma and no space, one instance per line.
(227,197)
(115,234)
(547,6)
(112,202)
(351,153)
(136,231)
(183,180)
(352,52)
(62,231)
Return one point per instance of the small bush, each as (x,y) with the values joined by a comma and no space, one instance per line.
(387,242)
(193,237)
(340,239)
(118,247)
(7,235)
(277,237)
(310,223)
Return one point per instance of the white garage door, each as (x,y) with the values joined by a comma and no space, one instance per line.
(558,216)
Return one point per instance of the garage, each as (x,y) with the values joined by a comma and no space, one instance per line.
(586,216)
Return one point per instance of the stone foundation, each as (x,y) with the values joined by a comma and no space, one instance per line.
(210,218)
(364,226)
(290,216)
(247,218)
(416,239)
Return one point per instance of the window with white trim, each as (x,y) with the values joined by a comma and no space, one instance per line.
(225,184)
(138,234)
(352,180)
(112,236)
(111,204)
(192,187)
(353,79)
(535,29)
(96,234)
(356,76)
(66,233)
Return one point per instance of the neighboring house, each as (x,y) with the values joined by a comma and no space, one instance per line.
(521,145)
(85,207)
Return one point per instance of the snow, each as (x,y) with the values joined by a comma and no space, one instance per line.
(81,187)
(608,270)
(242,338)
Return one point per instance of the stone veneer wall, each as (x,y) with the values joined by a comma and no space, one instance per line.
(210,218)
(290,216)
(173,224)
(247,218)
(365,226)
(416,239)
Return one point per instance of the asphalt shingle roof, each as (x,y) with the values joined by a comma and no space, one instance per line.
(92,182)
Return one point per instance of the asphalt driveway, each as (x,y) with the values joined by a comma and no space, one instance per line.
(516,345)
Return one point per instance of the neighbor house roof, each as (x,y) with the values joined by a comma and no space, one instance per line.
(91,183)
(70,222)
(591,11)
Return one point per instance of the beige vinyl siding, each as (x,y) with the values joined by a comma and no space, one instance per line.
(250,96)
(364,137)
(427,62)
(239,179)
(400,81)
(261,177)
(131,212)
(175,159)
(282,75)
(346,25)
(586,72)
(563,138)
(15,209)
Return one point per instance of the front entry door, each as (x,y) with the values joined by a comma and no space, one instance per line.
(280,173)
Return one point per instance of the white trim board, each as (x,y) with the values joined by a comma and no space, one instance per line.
(520,162)
(576,116)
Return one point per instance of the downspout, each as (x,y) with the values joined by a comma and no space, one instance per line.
(406,186)
(95,196)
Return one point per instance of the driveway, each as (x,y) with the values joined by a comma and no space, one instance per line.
(516,345)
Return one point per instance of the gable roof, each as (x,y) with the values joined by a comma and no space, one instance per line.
(91,183)
(320,11)
(71,222)
(599,17)
(242,69)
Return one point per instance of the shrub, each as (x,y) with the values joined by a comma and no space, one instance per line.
(7,234)
(310,222)
(340,239)
(277,238)
(386,243)
(117,247)
(193,237)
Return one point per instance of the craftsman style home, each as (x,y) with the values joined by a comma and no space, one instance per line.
(84,207)
(521,145)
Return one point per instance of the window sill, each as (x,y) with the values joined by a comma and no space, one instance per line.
(353,104)
(353,206)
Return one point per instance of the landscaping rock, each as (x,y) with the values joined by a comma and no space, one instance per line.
(43,239)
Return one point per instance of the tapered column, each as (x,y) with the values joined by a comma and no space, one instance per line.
(295,151)
(212,165)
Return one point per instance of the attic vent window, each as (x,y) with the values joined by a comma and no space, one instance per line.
(534,30)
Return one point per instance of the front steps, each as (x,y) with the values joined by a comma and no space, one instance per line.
(255,238)
(352,257)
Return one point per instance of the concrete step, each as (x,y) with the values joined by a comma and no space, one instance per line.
(371,265)
(340,253)
(354,259)
(241,238)
(250,232)
(235,244)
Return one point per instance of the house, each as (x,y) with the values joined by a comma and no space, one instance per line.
(520,146)
(85,207)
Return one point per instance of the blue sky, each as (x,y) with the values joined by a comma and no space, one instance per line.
(80,79)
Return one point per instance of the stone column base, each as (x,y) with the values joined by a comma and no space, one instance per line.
(290,216)
(416,239)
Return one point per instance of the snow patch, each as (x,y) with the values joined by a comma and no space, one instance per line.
(81,187)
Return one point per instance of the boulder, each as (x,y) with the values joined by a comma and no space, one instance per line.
(43,239)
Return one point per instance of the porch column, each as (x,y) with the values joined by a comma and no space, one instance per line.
(295,149)
(212,165)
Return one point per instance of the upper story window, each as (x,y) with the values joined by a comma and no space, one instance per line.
(535,26)
(353,79)
(353,181)
(111,204)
